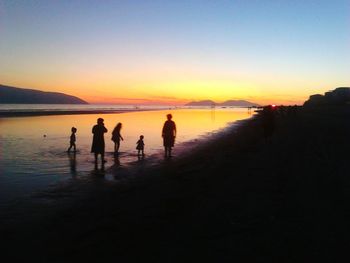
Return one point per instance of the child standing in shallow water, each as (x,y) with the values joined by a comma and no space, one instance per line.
(72,140)
(140,146)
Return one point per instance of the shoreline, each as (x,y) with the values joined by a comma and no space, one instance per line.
(14,114)
(236,197)
(33,113)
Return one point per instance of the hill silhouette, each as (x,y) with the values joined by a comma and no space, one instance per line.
(14,95)
(201,103)
(238,103)
(232,103)
(338,96)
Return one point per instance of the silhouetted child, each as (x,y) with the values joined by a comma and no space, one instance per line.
(72,140)
(140,146)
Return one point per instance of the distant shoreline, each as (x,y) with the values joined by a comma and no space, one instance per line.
(52,112)
(6,114)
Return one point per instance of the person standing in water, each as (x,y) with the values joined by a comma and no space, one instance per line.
(72,140)
(116,137)
(168,134)
(98,141)
(140,145)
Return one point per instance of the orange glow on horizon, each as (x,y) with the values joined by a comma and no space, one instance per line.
(175,93)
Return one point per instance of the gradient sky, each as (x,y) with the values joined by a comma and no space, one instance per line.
(272,51)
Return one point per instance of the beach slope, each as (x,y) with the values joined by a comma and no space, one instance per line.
(238,197)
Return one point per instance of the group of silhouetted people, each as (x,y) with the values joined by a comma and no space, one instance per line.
(98,142)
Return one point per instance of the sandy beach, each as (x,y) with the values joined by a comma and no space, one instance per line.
(237,197)
(174,131)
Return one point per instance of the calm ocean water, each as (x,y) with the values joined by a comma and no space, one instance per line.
(76,107)
(33,149)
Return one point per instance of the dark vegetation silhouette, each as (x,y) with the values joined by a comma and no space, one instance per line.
(337,97)
(169,135)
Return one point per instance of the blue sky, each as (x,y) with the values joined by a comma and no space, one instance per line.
(284,50)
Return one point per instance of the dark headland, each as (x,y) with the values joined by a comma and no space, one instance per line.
(237,198)
(14,95)
(228,103)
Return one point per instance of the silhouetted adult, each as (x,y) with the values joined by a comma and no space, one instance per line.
(116,137)
(98,142)
(168,134)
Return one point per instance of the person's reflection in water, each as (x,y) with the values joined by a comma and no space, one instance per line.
(140,157)
(72,163)
(114,169)
(116,161)
(99,172)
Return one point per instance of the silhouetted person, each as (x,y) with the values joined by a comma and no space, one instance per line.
(98,142)
(168,134)
(268,121)
(140,145)
(116,137)
(72,140)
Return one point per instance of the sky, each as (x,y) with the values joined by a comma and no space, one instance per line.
(173,52)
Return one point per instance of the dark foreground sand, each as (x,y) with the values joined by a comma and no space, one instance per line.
(236,199)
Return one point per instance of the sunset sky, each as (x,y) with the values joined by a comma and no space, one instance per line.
(172,52)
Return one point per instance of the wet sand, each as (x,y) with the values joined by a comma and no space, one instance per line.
(235,198)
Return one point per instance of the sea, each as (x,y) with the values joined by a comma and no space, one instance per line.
(33,149)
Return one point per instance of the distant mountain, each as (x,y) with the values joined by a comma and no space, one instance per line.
(229,103)
(201,103)
(13,95)
(238,103)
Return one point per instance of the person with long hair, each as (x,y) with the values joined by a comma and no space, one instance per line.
(116,137)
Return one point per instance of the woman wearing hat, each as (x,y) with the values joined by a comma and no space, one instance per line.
(98,141)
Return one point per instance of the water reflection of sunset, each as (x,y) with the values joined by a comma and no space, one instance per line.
(190,124)
(33,149)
